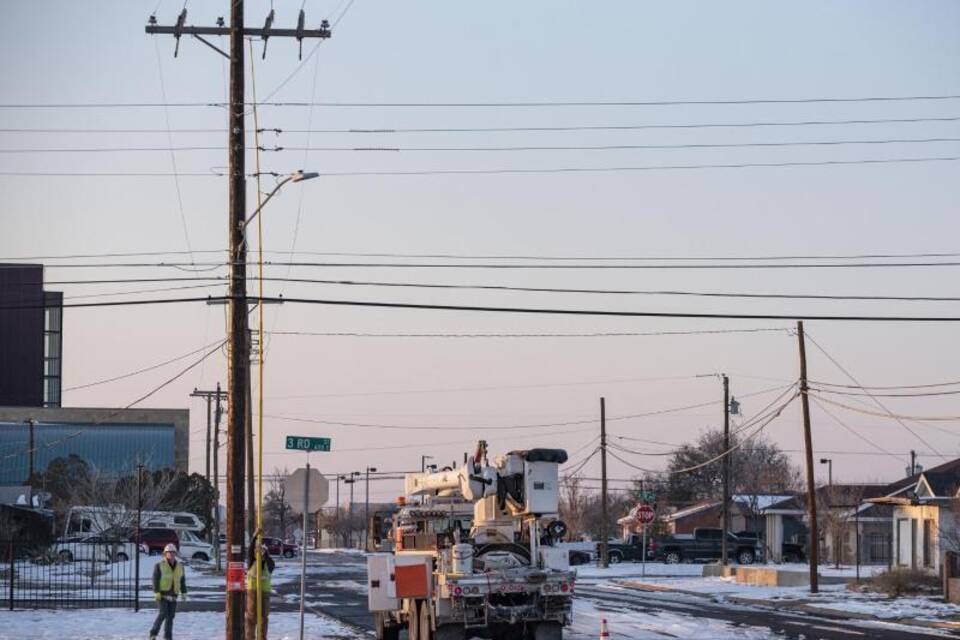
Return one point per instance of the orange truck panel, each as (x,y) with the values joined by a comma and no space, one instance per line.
(413,581)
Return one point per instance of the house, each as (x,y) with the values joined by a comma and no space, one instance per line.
(745,515)
(846,524)
(924,516)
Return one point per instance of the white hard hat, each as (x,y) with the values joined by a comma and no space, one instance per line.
(170,547)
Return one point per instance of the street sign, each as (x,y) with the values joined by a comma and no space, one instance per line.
(306,490)
(646,495)
(306,443)
(646,514)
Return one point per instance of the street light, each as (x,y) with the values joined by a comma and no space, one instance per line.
(350,480)
(296,176)
(829,463)
(366,506)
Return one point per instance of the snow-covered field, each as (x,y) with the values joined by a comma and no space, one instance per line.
(124,624)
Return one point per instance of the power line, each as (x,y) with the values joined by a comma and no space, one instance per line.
(607,334)
(607,147)
(496,171)
(516,310)
(531,129)
(461,256)
(553,103)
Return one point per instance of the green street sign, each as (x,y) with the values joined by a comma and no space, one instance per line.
(303,443)
(646,495)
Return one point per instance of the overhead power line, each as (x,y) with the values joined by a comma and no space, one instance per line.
(516,310)
(605,147)
(495,171)
(530,129)
(504,104)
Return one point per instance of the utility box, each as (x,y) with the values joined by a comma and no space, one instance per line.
(541,488)
(380,579)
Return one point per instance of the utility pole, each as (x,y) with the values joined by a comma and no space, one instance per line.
(238,382)
(726,470)
(913,461)
(604,534)
(366,508)
(216,476)
(814,537)
(209,396)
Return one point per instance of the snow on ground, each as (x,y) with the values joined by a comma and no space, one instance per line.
(591,574)
(624,624)
(124,624)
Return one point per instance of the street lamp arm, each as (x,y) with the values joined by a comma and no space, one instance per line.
(298,176)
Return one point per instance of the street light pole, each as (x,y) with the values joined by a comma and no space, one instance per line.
(726,470)
(829,500)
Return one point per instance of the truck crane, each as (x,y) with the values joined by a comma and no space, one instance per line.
(473,553)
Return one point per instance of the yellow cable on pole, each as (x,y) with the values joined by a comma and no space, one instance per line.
(259,540)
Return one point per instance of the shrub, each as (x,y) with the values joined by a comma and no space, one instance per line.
(898,582)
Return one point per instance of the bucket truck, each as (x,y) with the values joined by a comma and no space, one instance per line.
(474,554)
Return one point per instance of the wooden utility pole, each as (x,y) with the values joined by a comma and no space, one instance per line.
(604,534)
(216,477)
(209,396)
(238,382)
(813,540)
(726,470)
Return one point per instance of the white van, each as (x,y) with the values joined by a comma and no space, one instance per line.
(83,519)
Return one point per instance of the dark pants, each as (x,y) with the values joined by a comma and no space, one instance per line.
(251,614)
(167,609)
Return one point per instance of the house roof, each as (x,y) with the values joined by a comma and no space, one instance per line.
(951,467)
(942,484)
(689,511)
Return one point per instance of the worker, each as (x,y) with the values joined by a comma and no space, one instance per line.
(266,569)
(169,583)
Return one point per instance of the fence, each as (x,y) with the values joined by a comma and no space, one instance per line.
(88,574)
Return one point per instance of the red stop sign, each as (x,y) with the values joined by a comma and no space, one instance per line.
(645,514)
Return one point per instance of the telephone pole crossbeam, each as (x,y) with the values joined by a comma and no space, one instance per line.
(226,31)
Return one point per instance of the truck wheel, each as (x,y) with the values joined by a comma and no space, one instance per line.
(385,630)
(672,557)
(746,557)
(450,632)
(548,631)
(413,623)
(615,557)
(425,630)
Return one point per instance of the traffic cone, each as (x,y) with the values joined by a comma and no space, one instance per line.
(604,634)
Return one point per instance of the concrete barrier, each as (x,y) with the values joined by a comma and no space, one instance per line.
(717,571)
(764,576)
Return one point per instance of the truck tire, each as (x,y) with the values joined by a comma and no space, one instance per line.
(615,557)
(413,623)
(548,631)
(450,632)
(385,630)
(672,557)
(426,633)
(746,556)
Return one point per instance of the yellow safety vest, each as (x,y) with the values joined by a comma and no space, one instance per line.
(170,577)
(264,579)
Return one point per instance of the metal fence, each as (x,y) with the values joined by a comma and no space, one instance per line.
(69,575)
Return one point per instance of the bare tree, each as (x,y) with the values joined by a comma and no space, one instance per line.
(837,507)
(117,498)
(278,515)
(574,500)
(340,524)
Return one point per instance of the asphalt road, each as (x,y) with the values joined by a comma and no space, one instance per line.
(335,586)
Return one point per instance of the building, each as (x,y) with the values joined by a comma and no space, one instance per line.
(846,519)
(31,325)
(112,440)
(924,516)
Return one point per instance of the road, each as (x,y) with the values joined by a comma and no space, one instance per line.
(336,589)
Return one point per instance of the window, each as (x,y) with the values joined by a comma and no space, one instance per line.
(928,537)
(188,520)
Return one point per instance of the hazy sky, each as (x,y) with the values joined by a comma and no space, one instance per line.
(390,52)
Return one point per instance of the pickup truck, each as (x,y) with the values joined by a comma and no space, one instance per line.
(703,544)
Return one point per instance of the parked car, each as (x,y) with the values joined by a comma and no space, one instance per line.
(156,539)
(704,544)
(630,550)
(93,547)
(192,547)
(278,547)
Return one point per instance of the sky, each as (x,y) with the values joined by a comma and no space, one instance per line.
(456,390)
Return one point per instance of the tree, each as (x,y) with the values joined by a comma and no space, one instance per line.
(278,516)
(757,467)
(340,524)
(836,506)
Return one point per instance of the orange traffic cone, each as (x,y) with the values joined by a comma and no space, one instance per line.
(604,634)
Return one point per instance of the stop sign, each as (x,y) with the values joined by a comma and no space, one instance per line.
(645,514)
